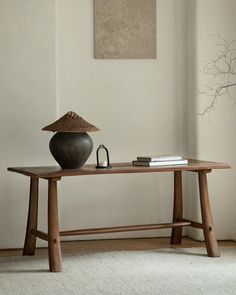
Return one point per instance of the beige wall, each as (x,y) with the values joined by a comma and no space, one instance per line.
(138,104)
(141,107)
(27,95)
(211,137)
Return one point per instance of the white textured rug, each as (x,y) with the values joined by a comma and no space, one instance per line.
(167,271)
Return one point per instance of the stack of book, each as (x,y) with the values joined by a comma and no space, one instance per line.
(160,160)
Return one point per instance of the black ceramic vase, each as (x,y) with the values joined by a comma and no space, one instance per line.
(71,149)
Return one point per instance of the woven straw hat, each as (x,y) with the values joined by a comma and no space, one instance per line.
(71,122)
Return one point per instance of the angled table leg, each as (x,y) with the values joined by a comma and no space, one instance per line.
(176,234)
(54,245)
(30,237)
(208,228)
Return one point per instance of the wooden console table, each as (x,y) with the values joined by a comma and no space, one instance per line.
(54,174)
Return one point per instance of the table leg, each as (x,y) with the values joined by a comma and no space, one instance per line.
(176,234)
(208,229)
(54,244)
(30,237)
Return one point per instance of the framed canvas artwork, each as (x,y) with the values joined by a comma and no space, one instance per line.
(125,29)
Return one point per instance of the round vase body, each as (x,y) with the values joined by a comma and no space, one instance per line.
(71,150)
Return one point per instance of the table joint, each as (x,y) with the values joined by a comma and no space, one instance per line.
(201,171)
(192,223)
(39,234)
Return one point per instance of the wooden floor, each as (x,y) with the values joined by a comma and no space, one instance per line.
(118,245)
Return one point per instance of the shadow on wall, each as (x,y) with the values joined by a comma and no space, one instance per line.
(192,201)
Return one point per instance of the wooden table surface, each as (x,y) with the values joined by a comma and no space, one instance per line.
(117,168)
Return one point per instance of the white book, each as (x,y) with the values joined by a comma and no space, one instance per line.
(161,163)
(159,158)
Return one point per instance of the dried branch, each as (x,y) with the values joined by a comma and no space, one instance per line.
(221,72)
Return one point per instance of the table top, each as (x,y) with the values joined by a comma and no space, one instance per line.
(117,168)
